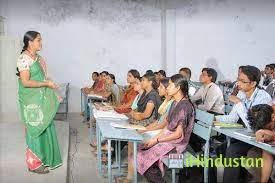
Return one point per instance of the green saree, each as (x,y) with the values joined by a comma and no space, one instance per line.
(38,107)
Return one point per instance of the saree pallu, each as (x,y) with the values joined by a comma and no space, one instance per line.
(38,107)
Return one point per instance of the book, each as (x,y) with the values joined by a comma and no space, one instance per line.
(94,96)
(128,126)
(109,114)
(227,125)
(246,133)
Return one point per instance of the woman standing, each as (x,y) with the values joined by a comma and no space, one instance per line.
(38,105)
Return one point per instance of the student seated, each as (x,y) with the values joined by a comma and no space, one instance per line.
(155,127)
(112,90)
(162,74)
(262,121)
(99,87)
(270,89)
(233,87)
(209,97)
(130,94)
(267,75)
(149,72)
(173,138)
(148,103)
(95,79)
(186,72)
(248,96)
(140,90)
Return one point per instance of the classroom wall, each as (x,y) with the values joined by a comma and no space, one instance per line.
(83,36)
(116,35)
(224,34)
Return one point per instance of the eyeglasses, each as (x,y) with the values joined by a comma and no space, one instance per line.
(244,82)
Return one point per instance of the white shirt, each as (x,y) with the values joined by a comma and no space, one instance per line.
(212,98)
(239,110)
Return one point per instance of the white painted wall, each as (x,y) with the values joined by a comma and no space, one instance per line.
(84,36)
(225,34)
(117,36)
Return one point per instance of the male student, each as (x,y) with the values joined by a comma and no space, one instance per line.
(209,97)
(267,75)
(248,96)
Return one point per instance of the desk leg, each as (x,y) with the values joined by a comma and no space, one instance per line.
(98,142)
(135,162)
(81,100)
(119,157)
(116,152)
(228,141)
(109,162)
(85,109)
(173,175)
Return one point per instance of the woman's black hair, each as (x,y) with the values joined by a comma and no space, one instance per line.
(151,77)
(96,73)
(162,72)
(149,72)
(135,73)
(253,73)
(241,67)
(259,116)
(28,36)
(180,81)
(104,72)
(112,77)
(211,73)
(165,82)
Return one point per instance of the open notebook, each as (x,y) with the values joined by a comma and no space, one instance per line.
(227,125)
(96,96)
(110,114)
(128,126)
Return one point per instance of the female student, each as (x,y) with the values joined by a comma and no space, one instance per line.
(148,104)
(139,89)
(173,138)
(112,89)
(155,127)
(130,94)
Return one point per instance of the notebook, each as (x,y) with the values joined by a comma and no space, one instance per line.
(128,126)
(96,96)
(110,114)
(246,133)
(227,125)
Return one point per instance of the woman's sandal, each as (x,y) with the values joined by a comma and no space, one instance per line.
(41,170)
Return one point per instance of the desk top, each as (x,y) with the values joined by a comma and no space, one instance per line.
(110,132)
(230,133)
